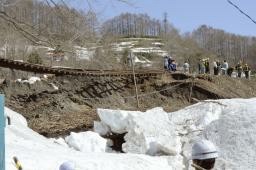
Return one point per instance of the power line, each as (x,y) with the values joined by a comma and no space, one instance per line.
(241,11)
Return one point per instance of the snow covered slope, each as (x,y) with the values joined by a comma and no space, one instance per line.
(230,124)
(36,152)
(235,134)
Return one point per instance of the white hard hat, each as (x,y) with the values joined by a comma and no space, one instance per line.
(68,165)
(204,149)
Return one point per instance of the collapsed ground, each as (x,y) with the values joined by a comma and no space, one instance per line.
(72,107)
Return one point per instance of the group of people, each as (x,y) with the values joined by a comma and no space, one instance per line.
(170,64)
(223,68)
(204,66)
(243,68)
(219,68)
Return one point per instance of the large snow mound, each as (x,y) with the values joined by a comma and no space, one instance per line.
(149,132)
(234,134)
(155,131)
(37,152)
(230,124)
(93,143)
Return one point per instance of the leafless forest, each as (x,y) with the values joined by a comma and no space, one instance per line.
(26,25)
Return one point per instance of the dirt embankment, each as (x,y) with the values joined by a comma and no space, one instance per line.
(72,107)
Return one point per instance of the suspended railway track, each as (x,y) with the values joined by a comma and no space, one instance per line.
(59,71)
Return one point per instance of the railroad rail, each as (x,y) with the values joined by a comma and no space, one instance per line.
(59,71)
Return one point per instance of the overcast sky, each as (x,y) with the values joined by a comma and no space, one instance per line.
(185,15)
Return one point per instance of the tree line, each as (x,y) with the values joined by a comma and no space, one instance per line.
(203,41)
(135,25)
(231,47)
(48,23)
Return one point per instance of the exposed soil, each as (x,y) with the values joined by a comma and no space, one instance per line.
(73,106)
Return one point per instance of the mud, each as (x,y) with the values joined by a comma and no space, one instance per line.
(72,107)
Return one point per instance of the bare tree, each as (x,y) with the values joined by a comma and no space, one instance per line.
(225,45)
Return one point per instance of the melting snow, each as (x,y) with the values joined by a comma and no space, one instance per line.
(84,53)
(230,124)
(31,80)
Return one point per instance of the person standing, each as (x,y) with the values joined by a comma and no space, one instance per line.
(246,70)
(170,60)
(218,67)
(203,68)
(199,66)
(239,69)
(215,68)
(172,66)
(224,67)
(166,63)
(186,67)
(230,71)
(207,66)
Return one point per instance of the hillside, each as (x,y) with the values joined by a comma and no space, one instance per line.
(127,85)
(57,105)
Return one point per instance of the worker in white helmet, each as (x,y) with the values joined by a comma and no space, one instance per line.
(67,165)
(204,154)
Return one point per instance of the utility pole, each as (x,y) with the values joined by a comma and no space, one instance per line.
(165,23)
(192,83)
(134,79)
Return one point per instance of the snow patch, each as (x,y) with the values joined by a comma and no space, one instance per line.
(230,124)
(156,50)
(34,150)
(84,53)
(31,80)
(101,128)
(144,134)
(157,43)
(87,142)
(60,141)
(234,134)
(54,86)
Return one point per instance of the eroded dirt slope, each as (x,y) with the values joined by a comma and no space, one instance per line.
(72,107)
